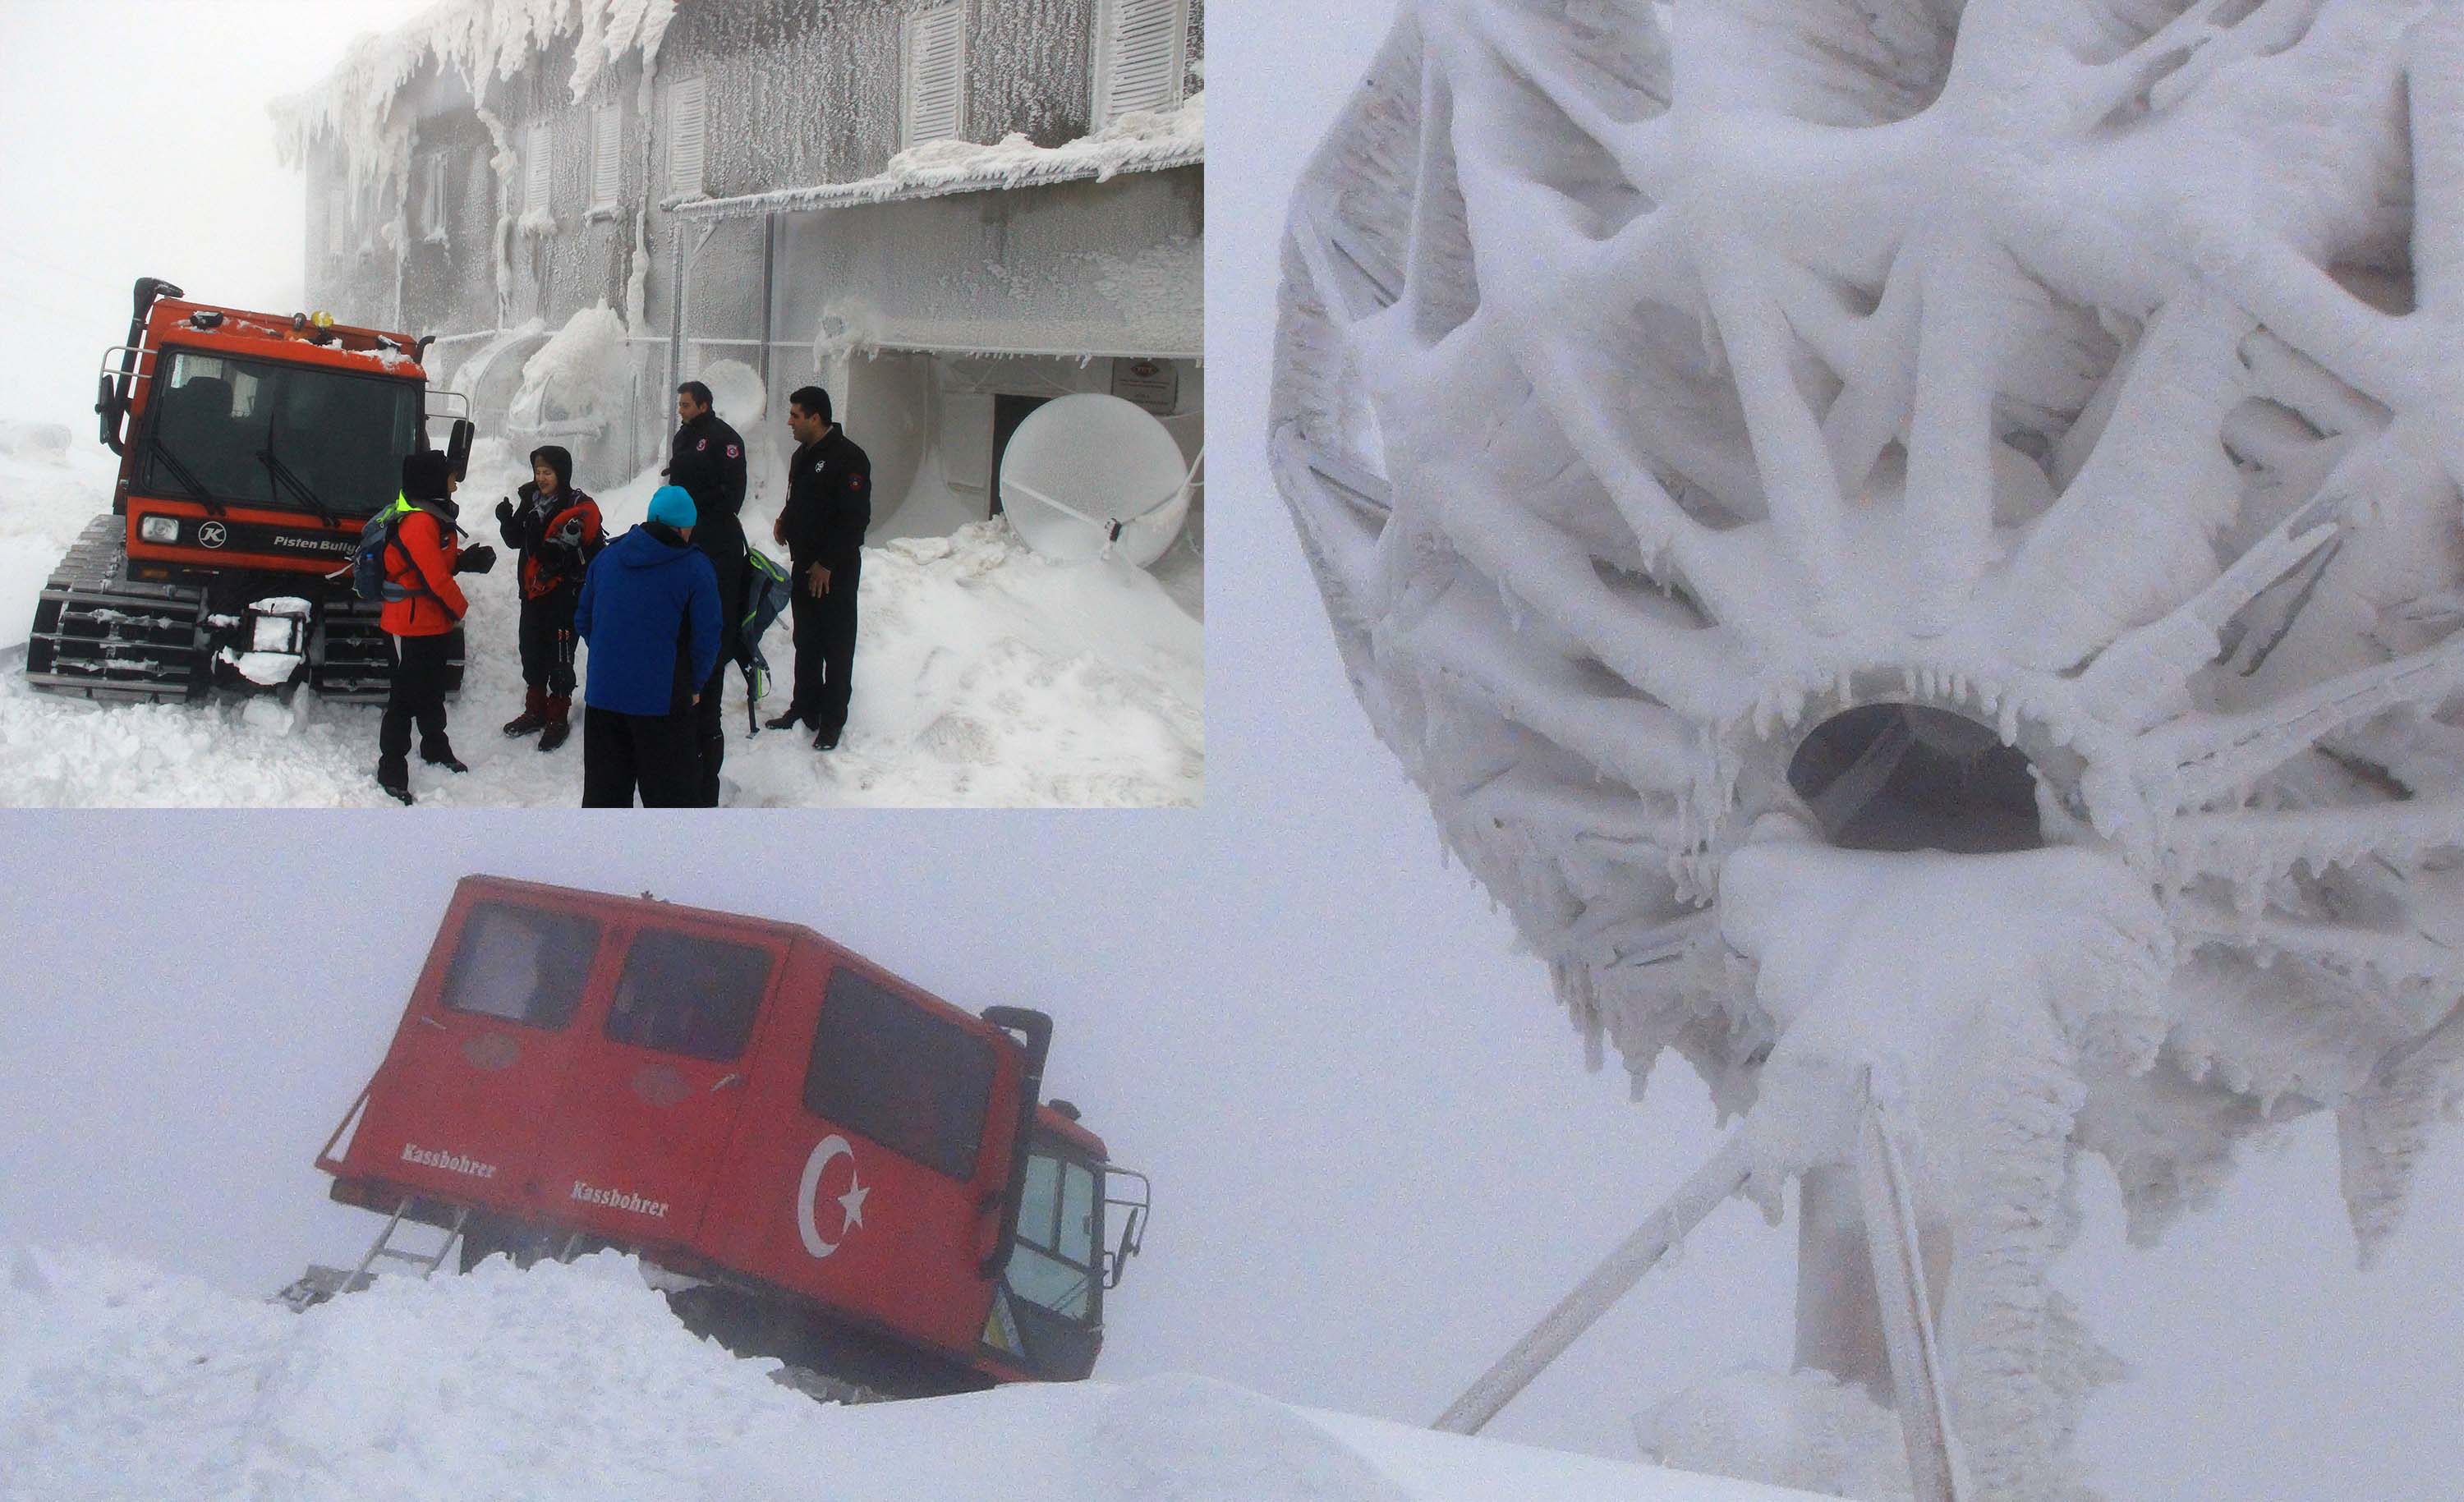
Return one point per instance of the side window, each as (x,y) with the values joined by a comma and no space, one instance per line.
(1054,1262)
(685,994)
(607,137)
(1141,54)
(542,164)
(883,1067)
(522,964)
(934,102)
(688,136)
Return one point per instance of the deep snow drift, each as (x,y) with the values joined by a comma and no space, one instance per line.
(985,675)
(574,1382)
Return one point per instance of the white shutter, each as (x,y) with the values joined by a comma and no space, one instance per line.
(607,131)
(688,145)
(536,198)
(934,43)
(1141,52)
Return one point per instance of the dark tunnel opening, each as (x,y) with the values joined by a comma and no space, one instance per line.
(1912,776)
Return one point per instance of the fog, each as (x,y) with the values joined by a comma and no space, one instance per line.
(134,142)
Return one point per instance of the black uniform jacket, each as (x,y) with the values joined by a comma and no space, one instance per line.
(708,461)
(829,502)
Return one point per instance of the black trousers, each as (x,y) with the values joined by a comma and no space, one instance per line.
(826,645)
(710,735)
(547,641)
(421,665)
(652,755)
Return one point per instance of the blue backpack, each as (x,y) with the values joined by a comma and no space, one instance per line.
(370,578)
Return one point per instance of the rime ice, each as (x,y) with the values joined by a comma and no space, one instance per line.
(1659,383)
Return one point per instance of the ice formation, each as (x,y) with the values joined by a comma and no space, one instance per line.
(1659,386)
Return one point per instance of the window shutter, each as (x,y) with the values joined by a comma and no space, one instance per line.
(688,145)
(607,131)
(1140,56)
(534,200)
(936,75)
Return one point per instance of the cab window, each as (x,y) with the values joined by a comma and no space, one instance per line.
(522,964)
(1053,1264)
(914,1083)
(681,994)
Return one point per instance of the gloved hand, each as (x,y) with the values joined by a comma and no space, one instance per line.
(505,509)
(475,560)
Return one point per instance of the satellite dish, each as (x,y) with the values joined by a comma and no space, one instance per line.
(1082,467)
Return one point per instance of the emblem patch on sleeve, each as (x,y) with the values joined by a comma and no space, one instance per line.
(731,451)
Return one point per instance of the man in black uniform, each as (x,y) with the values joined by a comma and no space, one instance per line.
(830,503)
(707,462)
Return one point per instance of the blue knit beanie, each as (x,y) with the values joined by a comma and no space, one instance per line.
(670,506)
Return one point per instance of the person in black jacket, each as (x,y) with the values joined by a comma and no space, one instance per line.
(707,462)
(555,529)
(830,503)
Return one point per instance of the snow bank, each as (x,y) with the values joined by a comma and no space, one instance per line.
(985,676)
(118,1381)
(579,378)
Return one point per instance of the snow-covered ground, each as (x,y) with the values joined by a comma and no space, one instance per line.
(575,1382)
(985,676)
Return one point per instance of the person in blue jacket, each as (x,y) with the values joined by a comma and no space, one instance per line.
(649,612)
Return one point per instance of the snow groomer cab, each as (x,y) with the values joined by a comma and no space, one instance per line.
(254,446)
(817,1159)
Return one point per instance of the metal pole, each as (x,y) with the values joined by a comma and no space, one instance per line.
(1907,1308)
(1698,1197)
(676,306)
(769,288)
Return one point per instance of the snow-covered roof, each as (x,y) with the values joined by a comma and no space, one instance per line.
(480,39)
(1145,141)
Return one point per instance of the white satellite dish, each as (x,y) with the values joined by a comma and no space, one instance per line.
(1091,469)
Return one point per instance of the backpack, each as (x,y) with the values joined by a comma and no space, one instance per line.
(370,579)
(767,589)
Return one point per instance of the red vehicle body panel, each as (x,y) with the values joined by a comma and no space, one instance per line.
(246,336)
(698,1163)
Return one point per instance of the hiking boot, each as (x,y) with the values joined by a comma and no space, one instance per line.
(827,739)
(444,757)
(534,716)
(560,720)
(393,775)
(787,721)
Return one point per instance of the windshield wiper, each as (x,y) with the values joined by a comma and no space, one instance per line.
(188,480)
(282,474)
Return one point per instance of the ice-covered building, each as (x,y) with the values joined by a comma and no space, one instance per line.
(945,212)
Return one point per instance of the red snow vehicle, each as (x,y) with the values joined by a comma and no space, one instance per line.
(821,1162)
(252,447)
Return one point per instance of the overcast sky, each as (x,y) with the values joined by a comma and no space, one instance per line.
(134,142)
(1377,1156)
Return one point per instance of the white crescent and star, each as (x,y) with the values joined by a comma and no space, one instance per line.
(850,1204)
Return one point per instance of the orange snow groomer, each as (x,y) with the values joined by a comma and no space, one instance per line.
(426,623)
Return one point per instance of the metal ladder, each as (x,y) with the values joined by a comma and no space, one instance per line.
(321,1283)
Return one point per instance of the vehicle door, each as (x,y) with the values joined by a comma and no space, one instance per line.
(655,1089)
(484,1047)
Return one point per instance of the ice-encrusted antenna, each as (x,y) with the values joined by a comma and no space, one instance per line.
(1737,444)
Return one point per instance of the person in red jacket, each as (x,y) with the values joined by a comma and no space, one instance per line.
(426,623)
(555,531)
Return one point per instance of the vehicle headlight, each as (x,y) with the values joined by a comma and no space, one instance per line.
(160,529)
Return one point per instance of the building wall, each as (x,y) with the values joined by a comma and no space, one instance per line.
(798,93)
